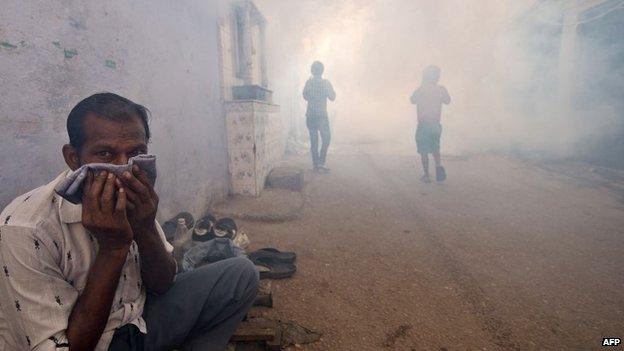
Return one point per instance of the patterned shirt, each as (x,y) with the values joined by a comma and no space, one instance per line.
(45,254)
(316,92)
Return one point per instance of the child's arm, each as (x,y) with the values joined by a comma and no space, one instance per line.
(306,91)
(446,98)
(331,94)
(414,98)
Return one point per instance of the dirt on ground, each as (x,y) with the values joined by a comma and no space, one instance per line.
(504,255)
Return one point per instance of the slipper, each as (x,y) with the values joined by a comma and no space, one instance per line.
(288,257)
(169,228)
(188,219)
(225,228)
(274,269)
(324,169)
(204,228)
(440,174)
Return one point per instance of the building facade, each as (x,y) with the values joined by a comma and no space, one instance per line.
(165,55)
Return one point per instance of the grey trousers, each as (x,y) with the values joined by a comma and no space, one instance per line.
(316,126)
(199,312)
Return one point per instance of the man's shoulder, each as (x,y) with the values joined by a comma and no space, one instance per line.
(30,209)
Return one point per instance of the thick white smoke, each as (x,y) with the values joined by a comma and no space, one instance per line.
(497,66)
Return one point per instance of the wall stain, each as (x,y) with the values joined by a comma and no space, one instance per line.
(110,64)
(70,53)
(57,44)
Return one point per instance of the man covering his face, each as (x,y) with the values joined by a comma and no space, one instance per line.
(99,274)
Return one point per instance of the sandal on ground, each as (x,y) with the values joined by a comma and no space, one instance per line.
(188,219)
(169,228)
(274,269)
(204,228)
(324,169)
(225,228)
(269,252)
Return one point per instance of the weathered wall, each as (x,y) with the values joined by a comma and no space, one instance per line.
(254,128)
(255,145)
(159,53)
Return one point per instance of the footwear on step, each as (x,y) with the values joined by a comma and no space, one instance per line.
(269,252)
(204,228)
(225,228)
(188,219)
(271,268)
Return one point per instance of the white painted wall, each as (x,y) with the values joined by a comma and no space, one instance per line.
(160,53)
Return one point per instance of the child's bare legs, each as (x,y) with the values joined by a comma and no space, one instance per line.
(425,164)
(437,158)
(440,172)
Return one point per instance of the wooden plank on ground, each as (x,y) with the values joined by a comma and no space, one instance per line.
(253,330)
(275,344)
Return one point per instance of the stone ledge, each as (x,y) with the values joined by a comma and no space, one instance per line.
(272,205)
(289,178)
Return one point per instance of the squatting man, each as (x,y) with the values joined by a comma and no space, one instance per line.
(99,274)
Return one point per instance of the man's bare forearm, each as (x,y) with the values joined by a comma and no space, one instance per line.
(92,309)
(157,265)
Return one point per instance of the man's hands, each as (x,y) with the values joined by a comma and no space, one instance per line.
(142,200)
(104,215)
(105,201)
(104,212)
(157,265)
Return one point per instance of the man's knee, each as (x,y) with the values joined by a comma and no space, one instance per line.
(245,266)
(248,273)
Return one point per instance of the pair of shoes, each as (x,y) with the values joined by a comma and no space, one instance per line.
(273,253)
(209,228)
(170,227)
(204,229)
(440,176)
(321,169)
(274,264)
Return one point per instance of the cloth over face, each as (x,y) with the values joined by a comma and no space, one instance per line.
(71,188)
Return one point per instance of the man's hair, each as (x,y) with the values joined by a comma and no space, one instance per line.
(317,68)
(107,105)
(431,74)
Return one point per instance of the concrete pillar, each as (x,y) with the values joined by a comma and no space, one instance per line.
(263,61)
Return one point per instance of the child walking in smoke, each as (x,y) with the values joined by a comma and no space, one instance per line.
(316,92)
(428,99)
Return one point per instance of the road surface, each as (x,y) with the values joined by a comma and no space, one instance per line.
(504,255)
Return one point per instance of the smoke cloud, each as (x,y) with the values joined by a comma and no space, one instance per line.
(499,60)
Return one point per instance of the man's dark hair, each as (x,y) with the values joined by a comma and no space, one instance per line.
(106,105)
(317,68)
